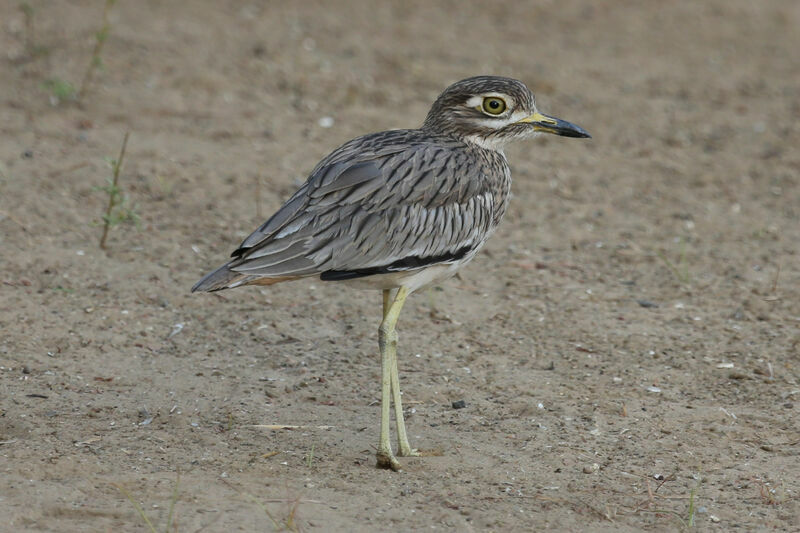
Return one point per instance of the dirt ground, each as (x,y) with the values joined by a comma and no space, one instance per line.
(627,345)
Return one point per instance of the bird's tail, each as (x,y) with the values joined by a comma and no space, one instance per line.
(225,278)
(221,278)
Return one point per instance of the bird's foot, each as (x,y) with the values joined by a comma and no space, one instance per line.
(387,460)
(404,449)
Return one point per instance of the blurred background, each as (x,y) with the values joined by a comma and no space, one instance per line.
(627,344)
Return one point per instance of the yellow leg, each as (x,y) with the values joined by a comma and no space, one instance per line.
(403,447)
(387,340)
(387,301)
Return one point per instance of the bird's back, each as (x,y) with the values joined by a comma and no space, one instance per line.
(394,201)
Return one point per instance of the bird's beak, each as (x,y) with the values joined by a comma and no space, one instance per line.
(555,125)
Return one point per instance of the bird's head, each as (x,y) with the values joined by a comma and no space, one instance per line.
(492,111)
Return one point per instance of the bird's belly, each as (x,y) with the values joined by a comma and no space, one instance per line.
(410,279)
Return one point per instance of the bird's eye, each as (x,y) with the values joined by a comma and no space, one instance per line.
(494,105)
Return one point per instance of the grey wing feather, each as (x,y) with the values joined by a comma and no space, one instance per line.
(372,205)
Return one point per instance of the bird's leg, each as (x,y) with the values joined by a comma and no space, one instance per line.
(387,301)
(387,340)
(403,447)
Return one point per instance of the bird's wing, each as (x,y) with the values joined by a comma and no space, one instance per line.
(379,210)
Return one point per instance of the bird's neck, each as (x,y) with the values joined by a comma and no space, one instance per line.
(487,143)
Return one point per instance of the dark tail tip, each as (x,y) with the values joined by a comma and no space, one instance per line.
(219,279)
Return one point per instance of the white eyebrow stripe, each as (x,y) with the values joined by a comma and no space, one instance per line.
(475,101)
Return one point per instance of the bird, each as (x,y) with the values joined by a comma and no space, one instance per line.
(397,211)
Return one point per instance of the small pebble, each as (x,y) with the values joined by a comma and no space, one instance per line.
(646,303)
(591,469)
(459,404)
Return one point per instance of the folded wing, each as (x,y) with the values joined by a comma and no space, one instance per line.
(373,208)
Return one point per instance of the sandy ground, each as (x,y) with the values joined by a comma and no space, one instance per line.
(627,345)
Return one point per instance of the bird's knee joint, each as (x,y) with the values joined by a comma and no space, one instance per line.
(386,335)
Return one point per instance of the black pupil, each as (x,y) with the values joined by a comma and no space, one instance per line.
(494,104)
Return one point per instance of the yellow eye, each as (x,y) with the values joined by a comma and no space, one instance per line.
(493,105)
